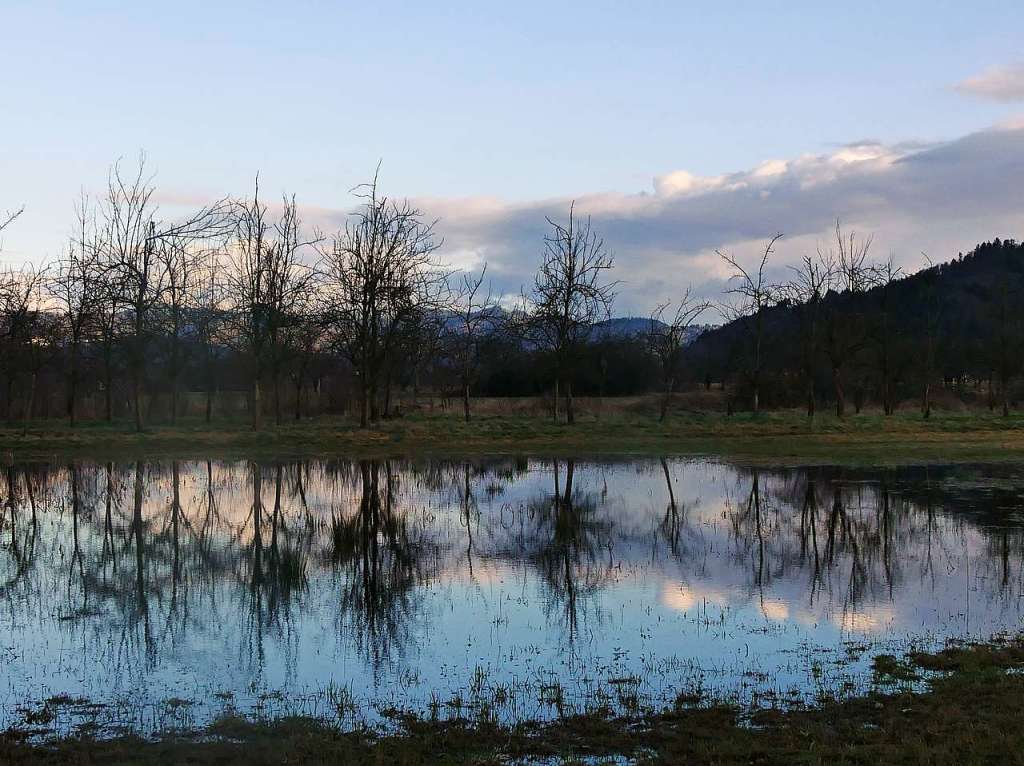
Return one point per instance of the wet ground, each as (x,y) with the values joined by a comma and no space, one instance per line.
(150,595)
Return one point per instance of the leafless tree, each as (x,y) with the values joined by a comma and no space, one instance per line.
(209,320)
(9,299)
(303,341)
(25,332)
(748,296)
(668,337)
(182,268)
(475,316)
(109,326)
(76,291)
(570,293)
(806,290)
(132,240)
(7,218)
(267,280)
(379,284)
(423,348)
(884,330)
(845,331)
(933,314)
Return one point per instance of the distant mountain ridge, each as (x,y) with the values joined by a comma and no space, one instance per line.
(969,306)
(615,328)
(623,328)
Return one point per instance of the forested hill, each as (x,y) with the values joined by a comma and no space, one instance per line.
(959,321)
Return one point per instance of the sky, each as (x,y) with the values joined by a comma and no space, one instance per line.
(680,128)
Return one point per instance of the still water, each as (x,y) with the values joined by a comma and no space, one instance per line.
(152,594)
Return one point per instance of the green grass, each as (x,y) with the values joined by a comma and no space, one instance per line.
(969,713)
(777,436)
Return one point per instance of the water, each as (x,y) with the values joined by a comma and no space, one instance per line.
(156,594)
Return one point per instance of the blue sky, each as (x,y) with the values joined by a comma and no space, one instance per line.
(511,109)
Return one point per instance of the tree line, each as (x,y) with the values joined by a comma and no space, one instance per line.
(241,295)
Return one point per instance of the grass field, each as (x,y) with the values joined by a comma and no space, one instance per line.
(777,436)
(968,712)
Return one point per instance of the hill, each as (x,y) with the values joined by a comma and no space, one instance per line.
(957,322)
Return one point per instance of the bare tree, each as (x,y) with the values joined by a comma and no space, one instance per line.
(133,238)
(806,290)
(303,340)
(424,347)
(108,329)
(181,271)
(379,283)
(845,332)
(884,331)
(475,316)
(209,319)
(6,219)
(933,314)
(569,295)
(749,295)
(9,299)
(76,291)
(129,249)
(668,340)
(25,334)
(266,281)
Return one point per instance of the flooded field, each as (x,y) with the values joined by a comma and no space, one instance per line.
(151,595)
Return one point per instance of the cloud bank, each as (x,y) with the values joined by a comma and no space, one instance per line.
(1004,84)
(940,199)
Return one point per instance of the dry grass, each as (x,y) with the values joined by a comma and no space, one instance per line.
(522,426)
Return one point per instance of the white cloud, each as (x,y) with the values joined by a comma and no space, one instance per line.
(1001,83)
(940,198)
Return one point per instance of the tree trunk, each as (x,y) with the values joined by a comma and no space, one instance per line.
(570,415)
(669,388)
(174,400)
(30,402)
(257,404)
(277,397)
(108,384)
(209,403)
(837,383)
(374,403)
(137,388)
(810,398)
(387,396)
(465,400)
(926,402)
(554,403)
(73,386)
(364,402)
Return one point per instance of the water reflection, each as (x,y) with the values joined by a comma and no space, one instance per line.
(256,584)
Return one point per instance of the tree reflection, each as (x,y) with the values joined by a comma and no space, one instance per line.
(138,561)
(571,547)
(383,565)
